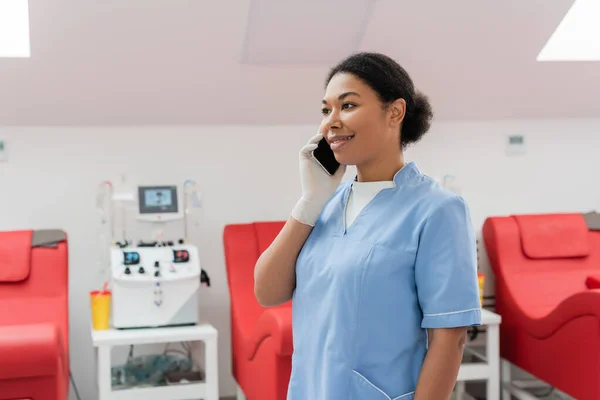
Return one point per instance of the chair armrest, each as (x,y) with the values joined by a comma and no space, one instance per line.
(586,303)
(276,324)
(30,350)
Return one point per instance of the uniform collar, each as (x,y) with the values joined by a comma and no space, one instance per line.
(410,170)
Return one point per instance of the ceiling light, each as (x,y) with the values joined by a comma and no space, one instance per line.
(292,32)
(14,28)
(577,37)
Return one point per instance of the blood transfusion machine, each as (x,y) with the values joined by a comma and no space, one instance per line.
(155,283)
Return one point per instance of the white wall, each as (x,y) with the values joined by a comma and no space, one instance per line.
(249,173)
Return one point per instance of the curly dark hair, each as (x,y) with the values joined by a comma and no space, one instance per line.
(390,81)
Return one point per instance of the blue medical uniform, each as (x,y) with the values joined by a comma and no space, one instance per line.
(366,294)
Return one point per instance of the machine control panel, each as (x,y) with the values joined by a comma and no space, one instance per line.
(158,264)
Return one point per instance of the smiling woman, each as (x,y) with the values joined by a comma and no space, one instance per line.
(373,108)
(382,269)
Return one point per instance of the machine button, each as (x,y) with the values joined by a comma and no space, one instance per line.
(141,270)
(156,264)
(127,271)
(157,273)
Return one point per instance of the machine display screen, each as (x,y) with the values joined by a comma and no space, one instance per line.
(157,199)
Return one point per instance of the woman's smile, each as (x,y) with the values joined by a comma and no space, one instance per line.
(337,142)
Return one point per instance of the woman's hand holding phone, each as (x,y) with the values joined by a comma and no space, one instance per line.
(317,185)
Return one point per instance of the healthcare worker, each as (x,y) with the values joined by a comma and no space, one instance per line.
(381,269)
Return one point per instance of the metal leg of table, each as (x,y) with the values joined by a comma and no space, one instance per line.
(459,390)
(104,373)
(212,370)
(493,359)
(240,394)
(506,380)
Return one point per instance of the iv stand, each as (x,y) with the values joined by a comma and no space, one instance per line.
(105,207)
(190,183)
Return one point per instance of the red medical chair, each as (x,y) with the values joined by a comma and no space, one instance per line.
(550,317)
(34,336)
(261,338)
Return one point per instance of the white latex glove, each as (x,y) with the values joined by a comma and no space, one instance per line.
(317,185)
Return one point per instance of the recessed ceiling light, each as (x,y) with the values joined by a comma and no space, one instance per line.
(577,37)
(14,28)
(291,32)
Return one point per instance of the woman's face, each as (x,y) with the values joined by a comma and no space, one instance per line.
(357,127)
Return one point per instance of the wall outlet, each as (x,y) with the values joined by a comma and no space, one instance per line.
(515,144)
(3,150)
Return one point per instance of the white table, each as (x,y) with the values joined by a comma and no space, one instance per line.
(103,341)
(489,368)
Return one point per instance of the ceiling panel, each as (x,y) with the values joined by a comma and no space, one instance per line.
(304,32)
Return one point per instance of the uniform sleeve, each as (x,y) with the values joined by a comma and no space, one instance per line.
(446,268)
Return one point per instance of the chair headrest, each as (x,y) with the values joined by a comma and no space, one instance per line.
(551,236)
(15,255)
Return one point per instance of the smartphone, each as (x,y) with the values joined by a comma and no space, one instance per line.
(324,156)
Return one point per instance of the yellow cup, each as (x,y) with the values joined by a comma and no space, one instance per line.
(100,303)
(481,279)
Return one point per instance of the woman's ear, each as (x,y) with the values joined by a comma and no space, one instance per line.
(398,111)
